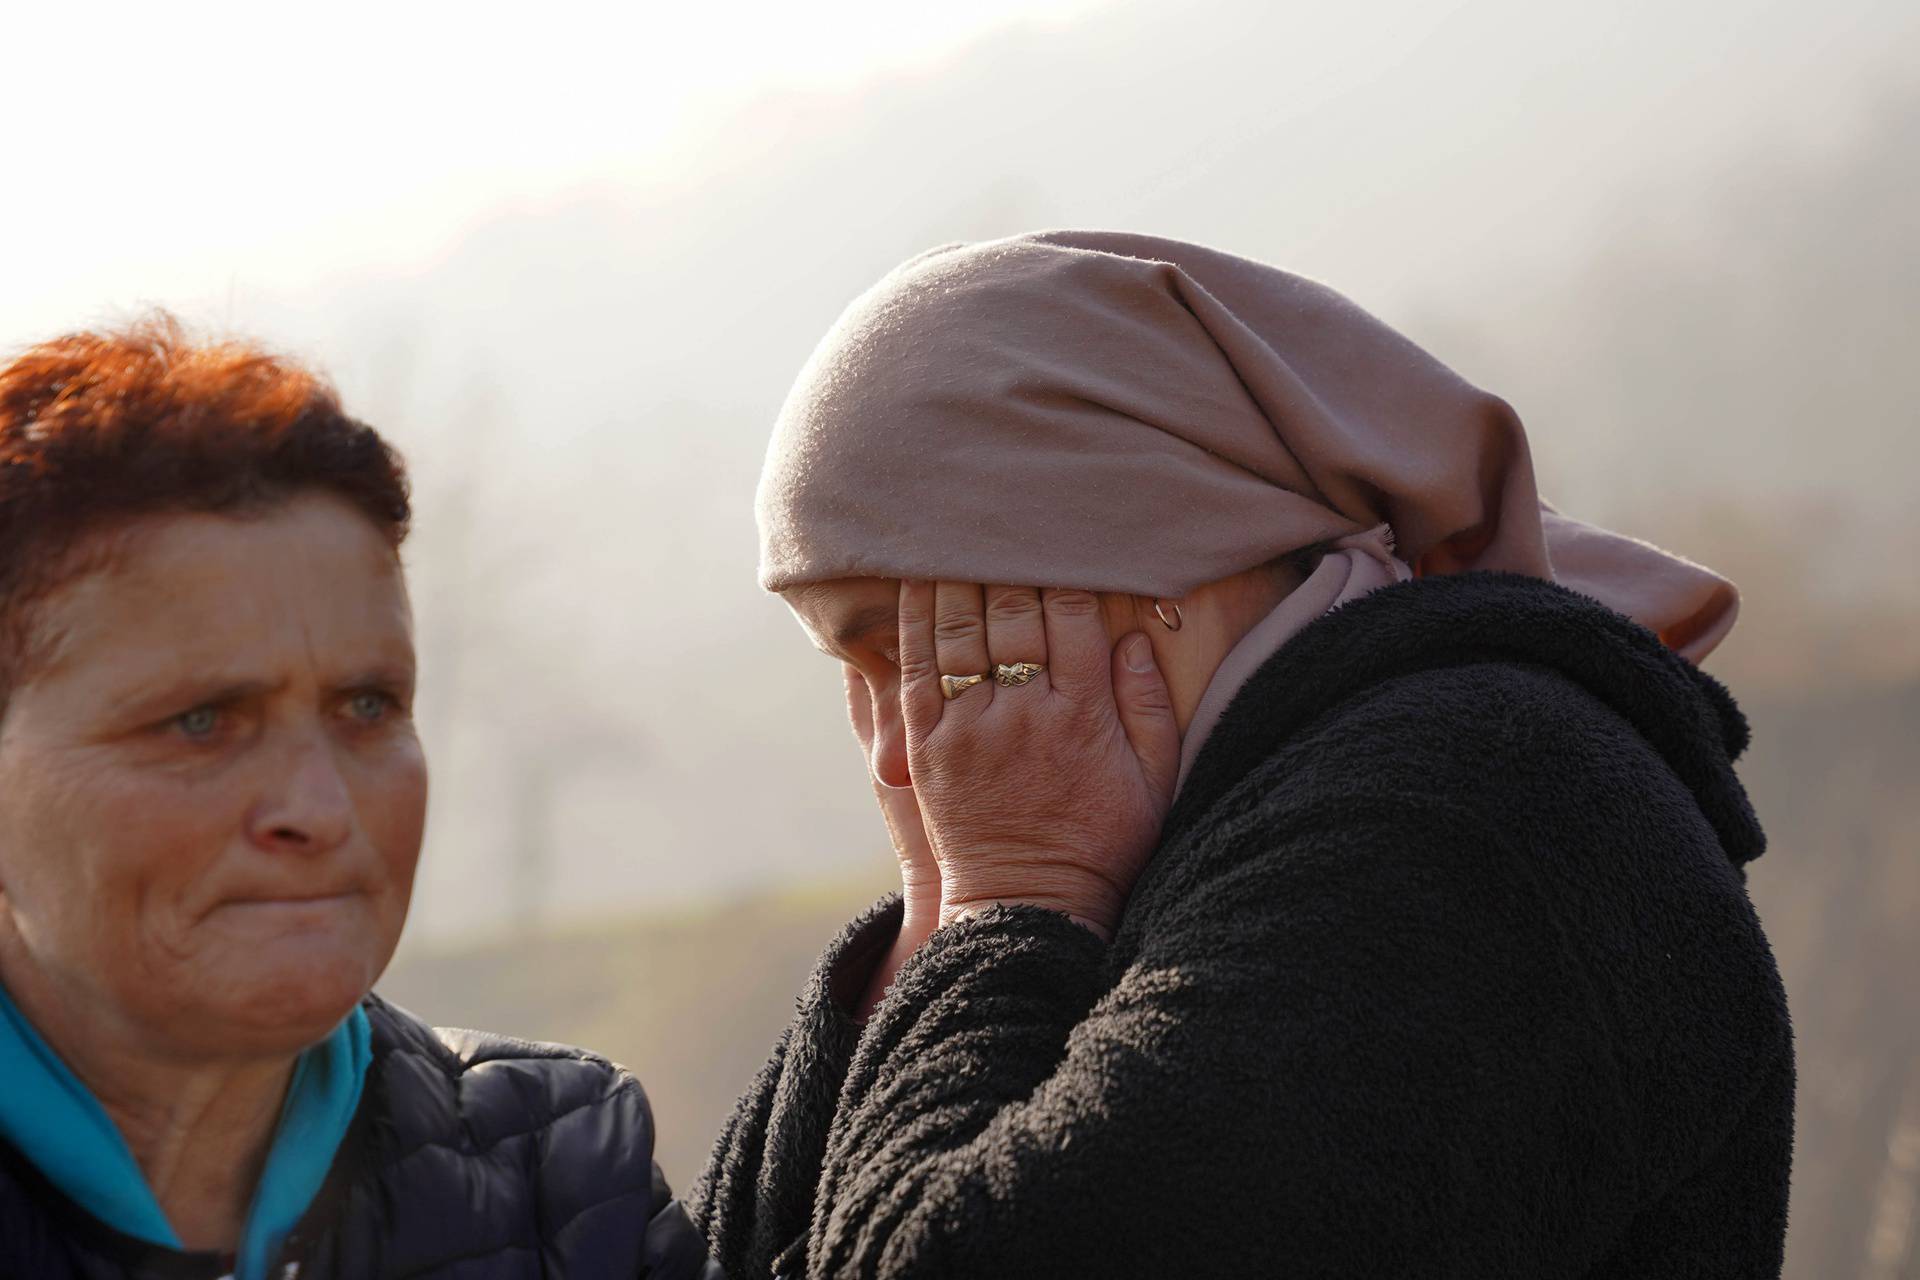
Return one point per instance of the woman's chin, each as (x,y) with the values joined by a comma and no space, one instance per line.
(283,978)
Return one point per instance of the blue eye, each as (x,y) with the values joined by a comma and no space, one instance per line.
(199,722)
(370,706)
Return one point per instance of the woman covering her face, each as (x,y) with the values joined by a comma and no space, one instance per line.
(211,801)
(1319,857)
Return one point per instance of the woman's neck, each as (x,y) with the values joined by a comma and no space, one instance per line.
(200,1136)
(198,1129)
(1213,619)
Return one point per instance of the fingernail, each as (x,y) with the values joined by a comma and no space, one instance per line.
(1139,654)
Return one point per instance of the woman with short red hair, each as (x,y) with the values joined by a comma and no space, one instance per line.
(211,802)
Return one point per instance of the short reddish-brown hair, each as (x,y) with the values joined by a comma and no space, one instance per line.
(99,428)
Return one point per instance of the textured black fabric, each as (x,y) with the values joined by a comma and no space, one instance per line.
(472,1157)
(1445,967)
(756,1195)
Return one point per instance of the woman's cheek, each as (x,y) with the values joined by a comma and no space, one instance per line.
(396,808)
(888,757)
(859,706)
(152,844)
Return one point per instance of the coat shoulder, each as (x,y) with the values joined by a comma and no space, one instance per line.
(485,1147)
(1465,720)
(477,1088)
(1533,808)
(1463,761)
(1524,749)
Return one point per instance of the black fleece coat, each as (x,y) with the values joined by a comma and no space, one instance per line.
(471,1157)
(1445,966)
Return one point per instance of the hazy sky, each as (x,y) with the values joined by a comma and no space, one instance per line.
(195,152)
(162,150)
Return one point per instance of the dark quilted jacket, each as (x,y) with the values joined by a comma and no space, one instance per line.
(472,1157)
(1445,967)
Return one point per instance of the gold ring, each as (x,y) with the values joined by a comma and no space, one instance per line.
(1007,676)
(952,687)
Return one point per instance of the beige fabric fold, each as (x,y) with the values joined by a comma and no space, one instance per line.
(1351,568)
(1125,413)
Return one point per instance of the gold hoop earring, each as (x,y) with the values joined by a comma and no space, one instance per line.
(1179,619)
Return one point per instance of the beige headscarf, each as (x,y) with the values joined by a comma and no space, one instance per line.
(1124,413)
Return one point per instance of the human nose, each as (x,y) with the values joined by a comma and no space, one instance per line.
(308,808)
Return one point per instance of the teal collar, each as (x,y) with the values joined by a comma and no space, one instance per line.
(52,1119)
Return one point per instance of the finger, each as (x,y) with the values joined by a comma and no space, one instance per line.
(919,667)
(1079,655)
(1146,713)
(1016,629)
(960,638)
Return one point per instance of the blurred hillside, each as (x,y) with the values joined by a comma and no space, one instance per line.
(1832,776)
(693,1002)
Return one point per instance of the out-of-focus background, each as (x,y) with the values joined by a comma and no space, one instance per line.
(569,258)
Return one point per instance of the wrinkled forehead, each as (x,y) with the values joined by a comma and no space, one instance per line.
(190,590)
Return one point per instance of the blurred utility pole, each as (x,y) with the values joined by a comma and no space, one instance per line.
(579,743)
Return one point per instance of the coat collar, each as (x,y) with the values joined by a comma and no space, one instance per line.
(1469,618)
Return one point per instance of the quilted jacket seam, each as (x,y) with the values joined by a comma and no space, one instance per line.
(545,1125)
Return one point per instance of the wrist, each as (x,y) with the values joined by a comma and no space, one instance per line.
(1093,915)
(920,890)
(919,917)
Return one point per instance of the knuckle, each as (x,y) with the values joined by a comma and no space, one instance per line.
(912,610)
(1072,602)
(916,668)
(957,626)
(1013,606)
(1153,697)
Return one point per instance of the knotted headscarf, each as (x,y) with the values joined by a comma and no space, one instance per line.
(1124,413)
